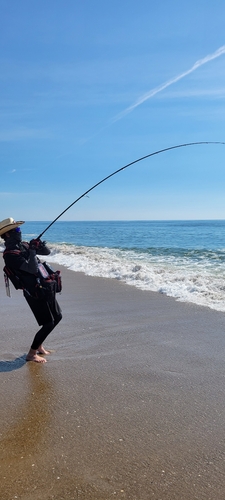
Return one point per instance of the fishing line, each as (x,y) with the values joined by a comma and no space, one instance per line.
(123,168)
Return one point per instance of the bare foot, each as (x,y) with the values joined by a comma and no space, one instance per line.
(42,350)
(36,358)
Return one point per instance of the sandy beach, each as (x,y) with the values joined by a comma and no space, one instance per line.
(130,405)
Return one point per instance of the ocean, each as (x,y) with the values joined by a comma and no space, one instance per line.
(182,259)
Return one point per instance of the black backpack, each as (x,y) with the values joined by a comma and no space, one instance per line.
(48,281)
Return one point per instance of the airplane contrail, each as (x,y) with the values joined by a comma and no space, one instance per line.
(219,52)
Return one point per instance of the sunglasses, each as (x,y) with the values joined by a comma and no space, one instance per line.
(16,230)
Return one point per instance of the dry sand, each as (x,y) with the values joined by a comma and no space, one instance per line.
(130,405)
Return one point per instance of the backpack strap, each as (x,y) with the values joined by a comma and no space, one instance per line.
(9,273)
(16,252)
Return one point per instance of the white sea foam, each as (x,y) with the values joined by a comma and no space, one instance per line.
(189,280)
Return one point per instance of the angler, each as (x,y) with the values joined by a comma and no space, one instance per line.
(38,282)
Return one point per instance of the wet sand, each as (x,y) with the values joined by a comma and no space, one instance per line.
(130,405)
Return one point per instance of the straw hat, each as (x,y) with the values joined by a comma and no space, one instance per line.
(9,224)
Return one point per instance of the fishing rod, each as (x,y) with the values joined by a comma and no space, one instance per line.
(120,170)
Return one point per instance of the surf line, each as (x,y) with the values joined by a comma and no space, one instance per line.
(123,168)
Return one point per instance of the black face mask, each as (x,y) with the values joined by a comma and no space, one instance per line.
(15,236)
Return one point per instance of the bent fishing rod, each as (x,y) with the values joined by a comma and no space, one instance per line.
(123,168)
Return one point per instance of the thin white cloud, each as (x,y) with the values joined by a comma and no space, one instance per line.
(21,170)
(219,52)
(216,93)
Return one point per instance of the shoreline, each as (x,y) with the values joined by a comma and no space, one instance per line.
(129,405)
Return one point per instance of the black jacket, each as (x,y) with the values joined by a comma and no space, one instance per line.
(21,258)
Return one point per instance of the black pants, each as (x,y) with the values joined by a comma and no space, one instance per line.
(47,314)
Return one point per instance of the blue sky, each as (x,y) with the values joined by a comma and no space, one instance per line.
(87,87)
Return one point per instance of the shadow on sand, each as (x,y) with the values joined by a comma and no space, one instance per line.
(15,364)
